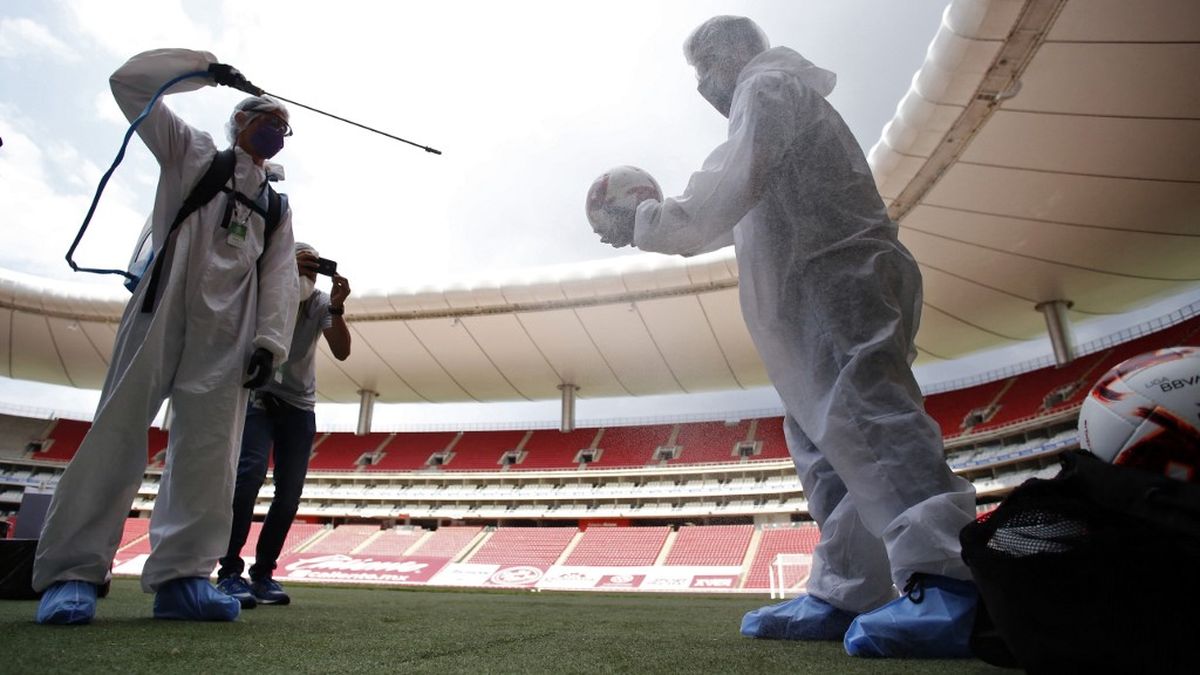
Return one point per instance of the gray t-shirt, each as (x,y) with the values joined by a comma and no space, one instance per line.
(298,385)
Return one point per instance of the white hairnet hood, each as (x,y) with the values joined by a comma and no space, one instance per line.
(788,60)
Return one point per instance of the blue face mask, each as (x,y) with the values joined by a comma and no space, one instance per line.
(266,141)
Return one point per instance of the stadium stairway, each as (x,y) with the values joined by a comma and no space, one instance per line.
(562,558)
(313,545)
(393,541)
(668,544)
(751,554)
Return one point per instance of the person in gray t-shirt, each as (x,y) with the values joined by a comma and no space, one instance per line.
(281,415)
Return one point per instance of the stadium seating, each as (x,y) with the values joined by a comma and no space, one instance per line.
(551,449)
(64,439)
(394,541)
(769,431)
(524,546)
(619,546)
(342,452)
(156,446)
(701,442)
(776,540)
(710,545)
(1014,399)
(447,542)
(411,451)
(135,537)
(952,409)
(297,536)
(1026,396)
(631,446)
(1029,422)
(342,539)
(1017,442)
(482,450)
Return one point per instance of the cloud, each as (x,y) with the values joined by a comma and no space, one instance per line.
(106,108)
(28,39)
(46,187)
(126,27)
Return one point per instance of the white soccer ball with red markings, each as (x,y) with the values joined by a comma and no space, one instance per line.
(613,199)
(1145,413)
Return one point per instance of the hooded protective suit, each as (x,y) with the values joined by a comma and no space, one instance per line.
(218,302)
(832,301)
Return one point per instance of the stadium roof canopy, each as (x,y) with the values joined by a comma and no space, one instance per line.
(1047,150)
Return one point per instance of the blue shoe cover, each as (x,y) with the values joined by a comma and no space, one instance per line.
(932,620)
(194,599)
(68,603)
(801,618)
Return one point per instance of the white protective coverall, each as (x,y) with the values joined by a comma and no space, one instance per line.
(832,300)
(217,303)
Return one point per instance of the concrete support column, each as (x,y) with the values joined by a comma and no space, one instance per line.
(567,421)
(1059,328)
(366,406)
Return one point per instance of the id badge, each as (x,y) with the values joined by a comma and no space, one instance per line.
(237,234)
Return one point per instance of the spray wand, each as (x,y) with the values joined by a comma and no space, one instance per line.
(223,74)
(229,76)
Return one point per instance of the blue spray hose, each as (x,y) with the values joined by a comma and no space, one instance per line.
(108,174)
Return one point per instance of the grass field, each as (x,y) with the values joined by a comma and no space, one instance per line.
(357,630)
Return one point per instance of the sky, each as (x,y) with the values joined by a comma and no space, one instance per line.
(528,101)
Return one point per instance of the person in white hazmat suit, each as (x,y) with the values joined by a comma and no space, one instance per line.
(224,313)
(832,301)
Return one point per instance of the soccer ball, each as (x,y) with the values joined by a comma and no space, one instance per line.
(1145,413)
(613,199)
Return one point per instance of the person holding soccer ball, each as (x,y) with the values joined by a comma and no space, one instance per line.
(832,300)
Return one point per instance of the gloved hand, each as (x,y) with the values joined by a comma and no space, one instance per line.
(227,75)
(260,368)
(621,232)
(616,228)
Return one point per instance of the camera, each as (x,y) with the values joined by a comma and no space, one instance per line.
(326,266)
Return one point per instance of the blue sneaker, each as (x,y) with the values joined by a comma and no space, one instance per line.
(68,603)
(238,588)
(801,618)
(194,599)
(268,592)
(932,620)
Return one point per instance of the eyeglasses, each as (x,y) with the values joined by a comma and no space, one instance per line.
(278,124)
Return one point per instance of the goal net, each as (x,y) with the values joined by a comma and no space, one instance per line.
(789,574)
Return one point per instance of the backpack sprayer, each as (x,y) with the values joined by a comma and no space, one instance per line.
(222,74)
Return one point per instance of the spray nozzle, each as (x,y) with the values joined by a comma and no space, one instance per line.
(227,75)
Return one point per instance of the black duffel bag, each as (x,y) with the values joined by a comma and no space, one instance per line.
(1094,570)
(16,569)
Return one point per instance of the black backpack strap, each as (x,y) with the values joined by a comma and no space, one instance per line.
(271,215)
(219,171)
(274,210)
(276,206)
